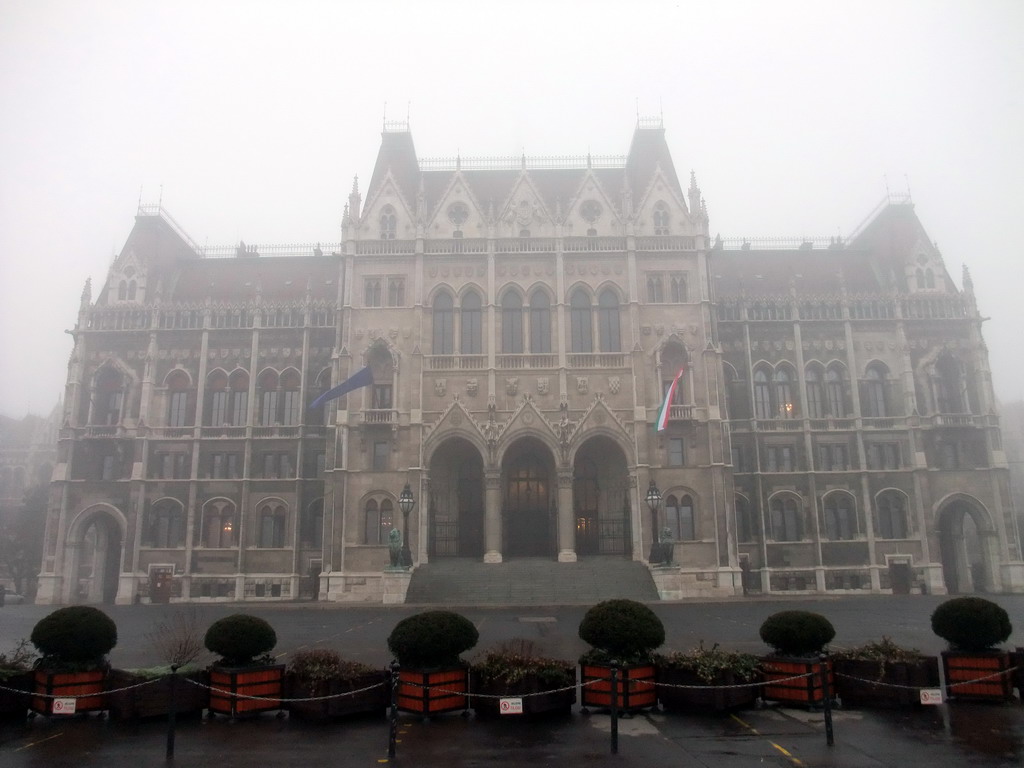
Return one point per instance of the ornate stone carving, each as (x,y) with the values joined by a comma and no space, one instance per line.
(614,384)
(582,385)
(472,387)
(543,385)
(511,386)
(440,387)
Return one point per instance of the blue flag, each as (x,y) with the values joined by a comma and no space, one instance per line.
(362,378)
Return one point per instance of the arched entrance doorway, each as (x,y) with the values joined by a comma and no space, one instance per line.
(529,504)
(964,540)
(98,562)
(456,500)
(600,498)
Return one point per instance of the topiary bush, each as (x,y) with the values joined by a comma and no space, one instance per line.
(432,639)
(621,630)
(241,640)
(797,633)
(971,623)
(75,638)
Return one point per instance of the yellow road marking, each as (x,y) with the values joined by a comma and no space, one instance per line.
(40,741)
(783,750)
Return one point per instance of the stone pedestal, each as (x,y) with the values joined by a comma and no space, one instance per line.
(395,585)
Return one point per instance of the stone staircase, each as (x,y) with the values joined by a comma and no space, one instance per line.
(530,581)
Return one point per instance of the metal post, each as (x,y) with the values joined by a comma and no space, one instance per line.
(615,708)
(172,714)
(826,699)
(393,725)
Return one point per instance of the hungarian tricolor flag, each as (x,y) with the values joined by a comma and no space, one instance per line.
(670,395)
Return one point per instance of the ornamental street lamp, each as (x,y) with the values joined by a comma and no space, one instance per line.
(653,500)
(406,502)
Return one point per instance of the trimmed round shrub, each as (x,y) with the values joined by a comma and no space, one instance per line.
(623,630)
(238,639)
(971,623)
(432,639)
(797,633)
(78,634)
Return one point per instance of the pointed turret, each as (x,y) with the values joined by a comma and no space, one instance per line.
(86,295)
(694,195)
(354,200)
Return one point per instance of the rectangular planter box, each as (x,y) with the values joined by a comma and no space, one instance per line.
(707,698)
(14,702)
(154,699)
(1018,676)
(90,686)
(961,666)
(433,692)
(867,684)
(265,681)
(805,691)
(538,699)
(343,701)
(636,686)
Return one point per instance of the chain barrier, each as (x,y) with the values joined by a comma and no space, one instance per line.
(281,699)
(949,683)
(143,684)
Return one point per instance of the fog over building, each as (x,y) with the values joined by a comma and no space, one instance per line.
(834,429)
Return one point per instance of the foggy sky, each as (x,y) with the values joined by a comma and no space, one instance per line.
(249,120)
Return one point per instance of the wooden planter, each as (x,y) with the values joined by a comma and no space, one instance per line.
(537,696)
(374,700)
(154,699)
(636,684)
(228,683)
(965,665)
(860,683)
(14,700)
(433,692)
(1018,676)
(89,686)
(705,698)
(804,691)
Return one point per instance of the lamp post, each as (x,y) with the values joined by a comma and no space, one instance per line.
(406,502)
(653,499)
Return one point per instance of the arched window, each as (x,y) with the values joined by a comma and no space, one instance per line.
(608,321)
(540,322)
(165,528)
(892,516)
(291,405)
(179,414)
(219,524)
(388,223)
(840,522)
(679,518)
(655,292)
(762,396)
(239,385)
(737,396)
(835,392)
(444,325)
(948,395)
(919,275)
(216,399)
(929,278)
(815,394)
(746,526)
(379,519)
(580,322)
(109,386)
(874,400)
(313,524)
(512,323)
(122,290)
(472,324)
(679,293)
(372,291)
(785,518)
(272,519)
(784,395)
(131,290)
(661,219)
(269,399)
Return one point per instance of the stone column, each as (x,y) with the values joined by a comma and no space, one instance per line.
(492,516)
(566,521)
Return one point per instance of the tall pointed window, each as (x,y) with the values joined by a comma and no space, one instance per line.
(874,400)
(762,396)
(272,524)
(166,525)
(388,224)
(815,394)
(608,321)
(835,392)
(785,519)
(540,322)
(840,524)
(443,321)
(178,411)
(784,399)
(580,322)
(892,516)
(661,219)
(512,323)
(219,524)
(472,324)
(109,396)
(679,518)
(291,405)
(655,291)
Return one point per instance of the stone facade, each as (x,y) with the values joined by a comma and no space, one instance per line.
(833,427)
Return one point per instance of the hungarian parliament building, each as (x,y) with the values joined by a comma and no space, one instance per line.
(833,428)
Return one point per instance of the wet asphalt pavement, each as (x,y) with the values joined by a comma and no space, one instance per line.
(948,735)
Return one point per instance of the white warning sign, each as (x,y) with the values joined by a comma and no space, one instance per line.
(64,706)
(511,706)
